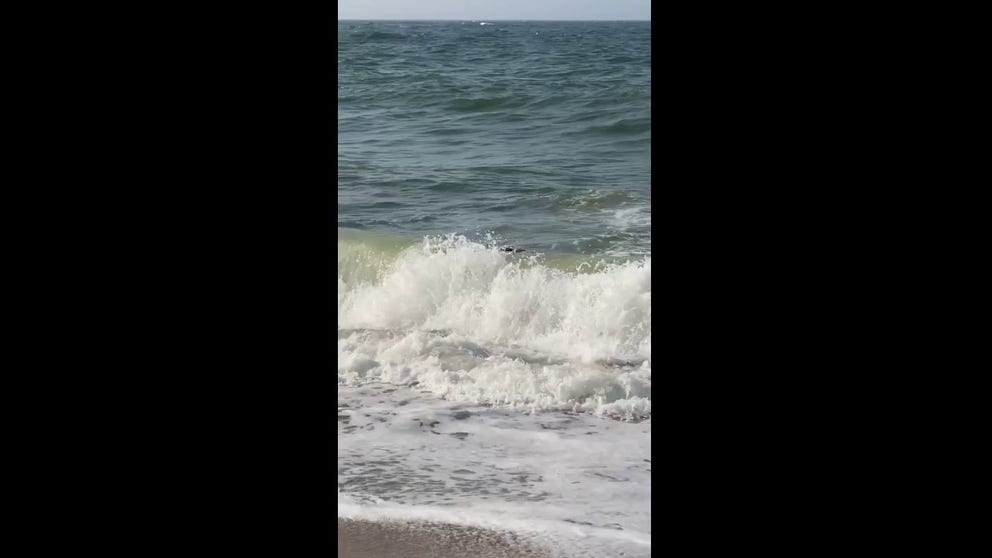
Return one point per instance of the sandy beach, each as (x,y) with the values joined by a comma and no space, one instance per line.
(367,539)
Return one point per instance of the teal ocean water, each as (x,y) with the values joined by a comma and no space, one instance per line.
(494,189)
(494,278)
(539,132)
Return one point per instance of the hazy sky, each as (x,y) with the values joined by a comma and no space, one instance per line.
(494,9)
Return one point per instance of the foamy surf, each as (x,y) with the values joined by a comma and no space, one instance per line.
(473,384)
(573,484)
(471,322)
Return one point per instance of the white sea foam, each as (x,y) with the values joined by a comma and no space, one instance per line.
(638,216)
(442,344)
(568,482)
(474,323)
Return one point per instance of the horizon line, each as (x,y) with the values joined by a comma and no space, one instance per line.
(481,19)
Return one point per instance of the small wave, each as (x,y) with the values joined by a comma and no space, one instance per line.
(382,36)
(595,199)
(627,218)
(627,126)
(448,187)
(448,131)
(485,104)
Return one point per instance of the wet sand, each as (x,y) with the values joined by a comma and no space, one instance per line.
(367,539)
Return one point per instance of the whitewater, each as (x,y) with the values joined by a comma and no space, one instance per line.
(472,322)
(497,389)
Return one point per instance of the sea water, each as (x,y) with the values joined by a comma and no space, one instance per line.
(494,278)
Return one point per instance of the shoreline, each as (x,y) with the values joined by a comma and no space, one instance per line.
(358,538)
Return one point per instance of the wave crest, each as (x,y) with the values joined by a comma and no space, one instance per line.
(470,321)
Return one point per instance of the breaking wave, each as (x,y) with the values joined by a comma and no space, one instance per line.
(471,321)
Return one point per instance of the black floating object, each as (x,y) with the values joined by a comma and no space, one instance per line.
(512,249)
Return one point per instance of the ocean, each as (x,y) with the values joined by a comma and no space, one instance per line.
(494,278)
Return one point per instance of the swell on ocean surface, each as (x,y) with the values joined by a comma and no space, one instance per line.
(469,321)
(540,131)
